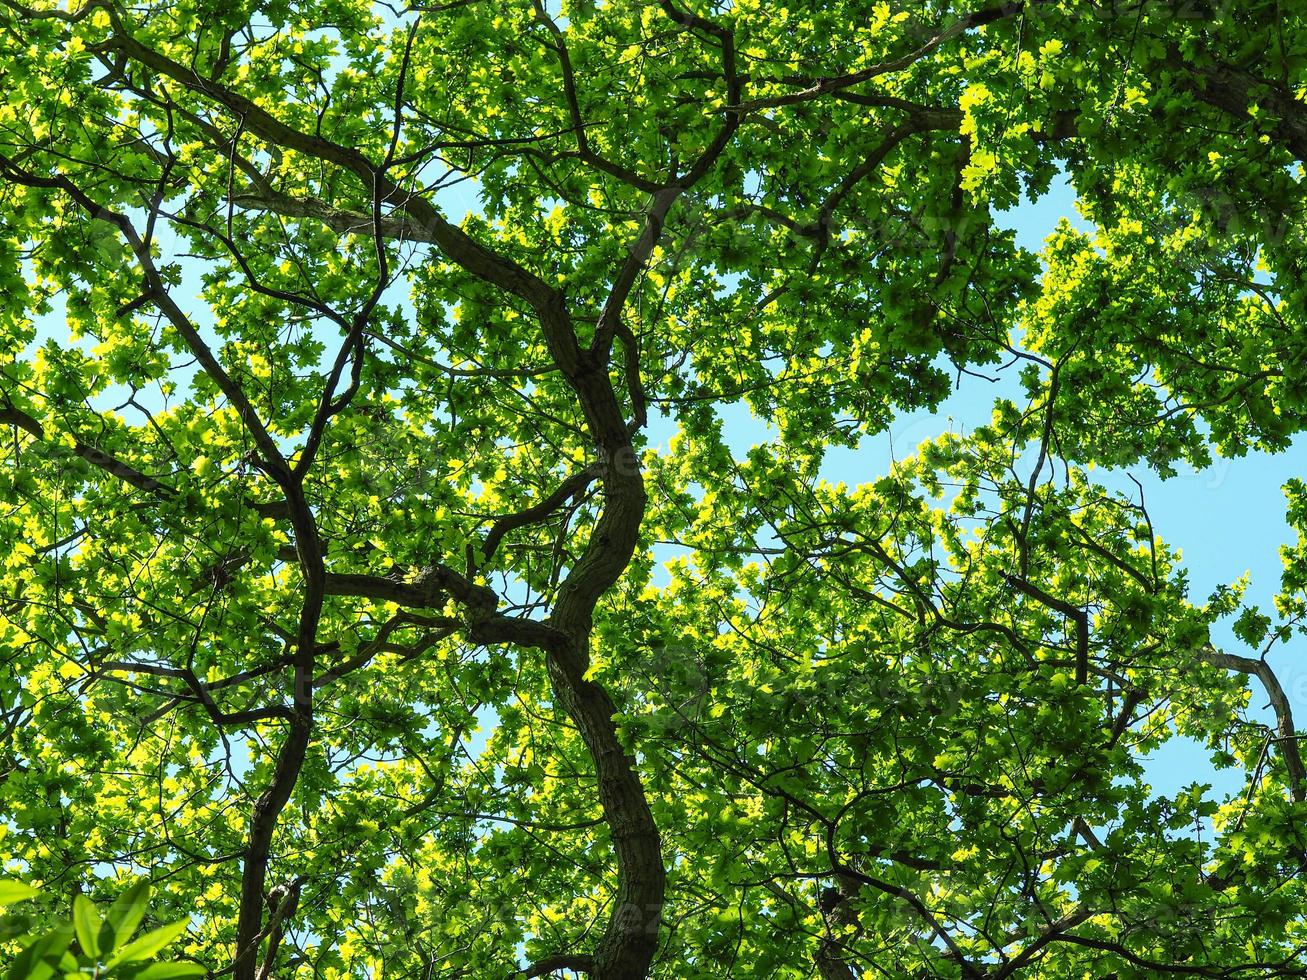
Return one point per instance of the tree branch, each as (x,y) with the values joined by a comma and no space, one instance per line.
(576,962)
(1286,740)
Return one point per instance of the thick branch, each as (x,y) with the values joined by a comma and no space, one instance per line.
(570,487)
(158,293)
(824,86)
(1286,739)
(1074,613)
(584,150)
(96,457)
(1235,91)
(576,962)
(429,589)
(124,471)
(460,247)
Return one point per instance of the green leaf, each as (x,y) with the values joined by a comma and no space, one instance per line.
(87,923)
(1251,626)
(14,925)
(15,891)
(41,959)
(171,971)
(124,916)
(149,944)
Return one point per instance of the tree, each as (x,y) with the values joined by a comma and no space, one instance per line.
(328,477)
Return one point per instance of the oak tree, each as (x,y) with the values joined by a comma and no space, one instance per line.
(380,582)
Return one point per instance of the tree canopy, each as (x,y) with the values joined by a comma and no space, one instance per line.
(380,584)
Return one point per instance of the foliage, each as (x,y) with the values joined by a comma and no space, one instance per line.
(104,946)
(381,580)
